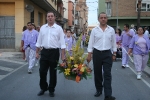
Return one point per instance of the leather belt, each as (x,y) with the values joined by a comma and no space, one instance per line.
(50,48)
(104,50)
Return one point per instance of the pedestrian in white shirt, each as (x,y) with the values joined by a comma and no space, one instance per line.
(102,39)
(50,38)
(146,33)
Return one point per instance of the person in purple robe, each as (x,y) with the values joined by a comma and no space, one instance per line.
(126,37)
(28,42)
(140,45)
(70,41)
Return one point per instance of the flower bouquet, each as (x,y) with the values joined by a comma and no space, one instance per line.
(73,67)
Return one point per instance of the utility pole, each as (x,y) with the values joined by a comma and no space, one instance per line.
(117,14)
(139,13)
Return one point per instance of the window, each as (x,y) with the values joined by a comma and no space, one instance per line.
(108,5)
(32,17)
(108,8)
(144,7)
(148,7)
(40,17)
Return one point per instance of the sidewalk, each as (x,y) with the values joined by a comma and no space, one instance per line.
(12,56)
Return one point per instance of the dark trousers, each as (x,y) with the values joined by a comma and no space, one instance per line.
(102,59)
(48,61)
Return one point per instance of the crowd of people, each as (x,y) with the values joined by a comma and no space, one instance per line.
(50,41)
(134,42)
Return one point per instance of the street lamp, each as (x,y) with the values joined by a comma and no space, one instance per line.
(139,13)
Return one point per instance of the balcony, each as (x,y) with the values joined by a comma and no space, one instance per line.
(108,12)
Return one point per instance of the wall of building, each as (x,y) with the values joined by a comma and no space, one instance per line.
(53,4)
(65,2)
(126,9)
(37,10)
(101,6)
(70,14)
(22,16)
(144,22)
(9,9)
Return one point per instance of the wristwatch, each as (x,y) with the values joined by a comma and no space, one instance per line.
(114,54)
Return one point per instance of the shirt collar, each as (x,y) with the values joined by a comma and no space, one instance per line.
(54,25)
(98,27)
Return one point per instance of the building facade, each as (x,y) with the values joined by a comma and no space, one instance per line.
(14,14)
(121,12)
(81,17)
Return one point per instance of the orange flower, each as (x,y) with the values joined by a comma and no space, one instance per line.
(78,79)
(62,65)
(79,67)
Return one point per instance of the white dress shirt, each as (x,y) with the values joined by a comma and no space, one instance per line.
(102,40)
(51,37)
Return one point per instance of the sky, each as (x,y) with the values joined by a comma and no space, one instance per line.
(92,13)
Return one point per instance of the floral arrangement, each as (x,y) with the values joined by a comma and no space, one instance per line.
(73,67)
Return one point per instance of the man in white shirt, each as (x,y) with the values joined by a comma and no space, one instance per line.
(146,33)
(102,39)
(50,38)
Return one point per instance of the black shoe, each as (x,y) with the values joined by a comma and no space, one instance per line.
(110,98)
(41,93)
(51,94)
(123,66)
(97,94)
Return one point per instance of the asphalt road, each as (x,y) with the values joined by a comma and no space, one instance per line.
(17,84)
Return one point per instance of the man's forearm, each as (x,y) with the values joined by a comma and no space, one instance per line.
(62,52)
(22,43)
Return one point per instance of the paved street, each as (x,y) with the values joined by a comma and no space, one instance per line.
(17,84)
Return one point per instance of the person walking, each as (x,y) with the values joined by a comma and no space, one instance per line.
(83,40)
(24,28)
(126,37)
(51,37)
(146,33)
(140,45)
(70,42)
(102,39)
(118,36)
(28,42)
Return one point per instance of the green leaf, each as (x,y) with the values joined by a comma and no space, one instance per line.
(84,76)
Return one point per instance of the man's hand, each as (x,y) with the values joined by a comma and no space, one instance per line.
(37,55)
(62,54)
(21,48)
(113,58)
(89,58)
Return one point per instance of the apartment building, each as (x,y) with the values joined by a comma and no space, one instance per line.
(14,14)
(122,11)
(81,16)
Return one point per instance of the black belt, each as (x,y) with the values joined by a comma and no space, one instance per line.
(50,48)
(102,50)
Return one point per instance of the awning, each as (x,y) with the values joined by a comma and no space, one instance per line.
(45,5)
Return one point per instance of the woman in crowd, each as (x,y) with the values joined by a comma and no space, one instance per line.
(70,42)
(24,28)
(140,46)
(118,36)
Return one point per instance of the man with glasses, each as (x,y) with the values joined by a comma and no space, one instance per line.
(28,42)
